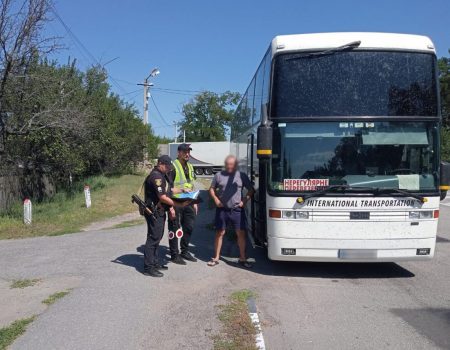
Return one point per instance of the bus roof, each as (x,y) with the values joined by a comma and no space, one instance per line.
(320,41)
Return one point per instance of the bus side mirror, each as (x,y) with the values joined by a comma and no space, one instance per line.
(264,142)
(445,179)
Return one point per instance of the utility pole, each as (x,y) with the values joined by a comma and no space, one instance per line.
(147,85)
(176,132)
(146,96)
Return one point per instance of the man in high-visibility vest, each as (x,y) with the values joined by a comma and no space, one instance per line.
(182,177)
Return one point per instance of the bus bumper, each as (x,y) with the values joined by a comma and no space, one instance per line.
(350,250)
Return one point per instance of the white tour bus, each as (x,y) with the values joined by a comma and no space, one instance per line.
(340,133)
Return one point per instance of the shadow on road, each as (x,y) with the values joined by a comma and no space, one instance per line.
(330,270)
(137,260)
(202,246)
(433,323)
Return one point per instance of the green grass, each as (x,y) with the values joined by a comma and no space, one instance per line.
(130,223)
(23,283)
(66,213)
(238,332)
(55,297)
(13,331)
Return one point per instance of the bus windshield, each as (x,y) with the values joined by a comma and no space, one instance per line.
(308,156)
(354,83)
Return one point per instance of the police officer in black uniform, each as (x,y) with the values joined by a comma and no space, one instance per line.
(156,193)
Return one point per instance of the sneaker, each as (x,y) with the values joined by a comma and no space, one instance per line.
(161,267)
(178,260)
(153,272)
(188,256)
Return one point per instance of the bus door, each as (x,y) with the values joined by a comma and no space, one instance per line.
(251,172)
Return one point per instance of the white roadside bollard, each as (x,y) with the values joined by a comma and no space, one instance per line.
(27,211)
(87,195)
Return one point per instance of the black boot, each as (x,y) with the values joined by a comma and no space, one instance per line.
(161,267)
(153,272)
(188,256)
(178,260)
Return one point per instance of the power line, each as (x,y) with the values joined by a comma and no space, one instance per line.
(180,90)
(83,50)
(159,113)
(173,93)
(131,92)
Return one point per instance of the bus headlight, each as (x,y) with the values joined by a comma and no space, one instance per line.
(302,215)
(428,214)
(292,214)
(288,214)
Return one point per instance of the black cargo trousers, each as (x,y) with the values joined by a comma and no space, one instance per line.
(155,232)
(185,217)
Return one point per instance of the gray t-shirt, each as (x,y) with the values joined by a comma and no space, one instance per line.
(229,187)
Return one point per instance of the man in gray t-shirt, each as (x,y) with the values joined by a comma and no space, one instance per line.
(226,191)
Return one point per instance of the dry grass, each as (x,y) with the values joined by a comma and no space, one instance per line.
(23,283)
(130,223)
(238,332)
(64,214)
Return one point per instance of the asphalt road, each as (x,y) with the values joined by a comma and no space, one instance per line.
(301,305)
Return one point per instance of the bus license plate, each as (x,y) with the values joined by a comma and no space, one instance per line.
(357,254)
(359,215)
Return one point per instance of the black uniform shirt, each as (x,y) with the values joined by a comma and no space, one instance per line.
(155,186)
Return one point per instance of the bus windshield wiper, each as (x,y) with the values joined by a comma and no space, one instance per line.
(404,193)
(346,47)
(374,190)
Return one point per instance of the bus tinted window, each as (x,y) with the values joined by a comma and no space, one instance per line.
(374,154)
(356,83)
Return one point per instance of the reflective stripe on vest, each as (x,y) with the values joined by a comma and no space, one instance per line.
(180,177)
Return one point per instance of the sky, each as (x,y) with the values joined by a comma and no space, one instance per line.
(215,45)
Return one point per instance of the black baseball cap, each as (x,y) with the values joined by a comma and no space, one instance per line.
(184,147)
(165,159)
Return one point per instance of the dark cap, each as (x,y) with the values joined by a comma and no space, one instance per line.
(184,147)
(165,159)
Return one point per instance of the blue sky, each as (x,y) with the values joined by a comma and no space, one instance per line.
(217,45)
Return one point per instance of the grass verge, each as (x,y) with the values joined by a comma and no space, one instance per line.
(55,297)
(10,333)
(62,214)
(238,332)
(23,283)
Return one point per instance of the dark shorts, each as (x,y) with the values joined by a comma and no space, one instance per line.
(234,217)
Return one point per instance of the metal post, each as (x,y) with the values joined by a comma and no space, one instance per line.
(184,136)
(176,132)
(145,102)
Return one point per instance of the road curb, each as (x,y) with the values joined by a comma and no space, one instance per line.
(253,313)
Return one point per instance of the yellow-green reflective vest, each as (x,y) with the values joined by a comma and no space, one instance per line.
(180,176)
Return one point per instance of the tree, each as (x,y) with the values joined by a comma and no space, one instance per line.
(207,116)
(21,43)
